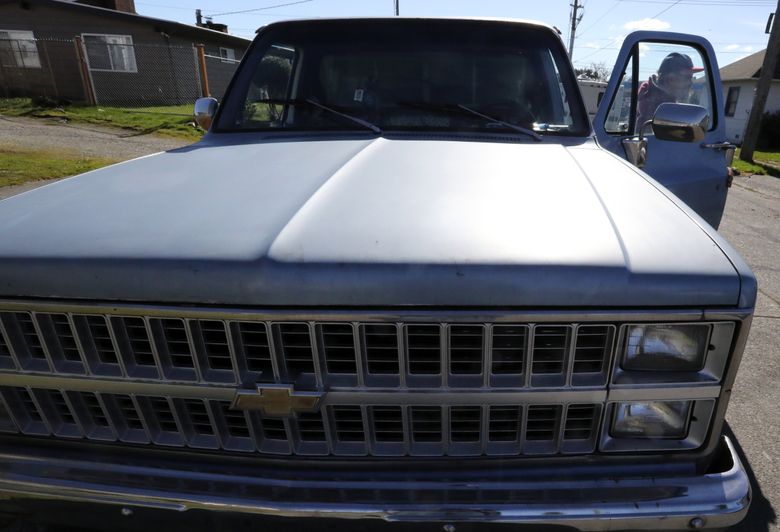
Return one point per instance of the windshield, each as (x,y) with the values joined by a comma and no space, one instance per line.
(405,75)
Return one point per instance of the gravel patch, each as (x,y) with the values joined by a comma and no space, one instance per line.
(83,139)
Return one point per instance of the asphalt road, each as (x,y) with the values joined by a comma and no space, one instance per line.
(752,225)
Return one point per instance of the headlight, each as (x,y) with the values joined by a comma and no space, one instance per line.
(651,419)
(666,347)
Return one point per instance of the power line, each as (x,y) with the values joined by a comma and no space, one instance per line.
(257,9)
(607,12)
(709,3)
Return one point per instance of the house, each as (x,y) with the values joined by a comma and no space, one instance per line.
(102,51)
(740,80)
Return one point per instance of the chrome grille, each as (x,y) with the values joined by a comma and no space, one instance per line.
(168,379)
(307,354)
(339,430)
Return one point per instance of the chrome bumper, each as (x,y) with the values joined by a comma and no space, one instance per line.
(588,502)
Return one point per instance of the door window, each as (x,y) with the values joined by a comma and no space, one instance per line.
(657,73)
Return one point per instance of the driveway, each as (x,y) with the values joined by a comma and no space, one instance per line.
(752,225)
(79,139)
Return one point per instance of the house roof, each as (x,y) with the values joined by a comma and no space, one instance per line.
(747,68)
(168,26)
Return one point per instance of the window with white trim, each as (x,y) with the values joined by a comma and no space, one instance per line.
(228,55)
(113,53)
(19,49)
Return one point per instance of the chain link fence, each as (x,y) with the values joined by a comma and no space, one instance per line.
(112,71)
(39,68)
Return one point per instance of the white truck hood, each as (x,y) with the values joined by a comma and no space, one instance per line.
(366,222)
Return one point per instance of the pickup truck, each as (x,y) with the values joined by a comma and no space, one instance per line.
(401,278)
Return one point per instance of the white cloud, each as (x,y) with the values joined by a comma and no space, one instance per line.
(747,48)
(651,24)
(732,47)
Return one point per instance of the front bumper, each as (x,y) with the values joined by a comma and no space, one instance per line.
(593,501)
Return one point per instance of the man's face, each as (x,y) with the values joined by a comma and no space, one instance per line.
(679,83)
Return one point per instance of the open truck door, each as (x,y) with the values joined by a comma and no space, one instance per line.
(663,111)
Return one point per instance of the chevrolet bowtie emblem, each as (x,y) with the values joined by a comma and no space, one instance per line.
(277,400)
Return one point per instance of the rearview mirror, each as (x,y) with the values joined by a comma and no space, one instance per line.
(680,122)
(205,109)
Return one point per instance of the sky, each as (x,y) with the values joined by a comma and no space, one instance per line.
(734,27)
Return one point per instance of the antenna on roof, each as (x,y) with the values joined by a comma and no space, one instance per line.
(198,17)
(397,7)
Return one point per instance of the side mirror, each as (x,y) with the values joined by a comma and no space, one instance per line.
(205,109)
(680,122)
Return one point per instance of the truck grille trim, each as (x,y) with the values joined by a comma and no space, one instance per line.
(307,354)
(337,430)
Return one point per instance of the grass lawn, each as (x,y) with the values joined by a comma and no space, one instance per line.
(172,121)
(764,162)
(19,166)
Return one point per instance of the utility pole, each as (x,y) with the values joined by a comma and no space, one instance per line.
(397,7)
(762,90)
(575,21)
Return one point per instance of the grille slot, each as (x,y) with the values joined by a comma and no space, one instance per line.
(273,429)
(542,422)
(256,349)
(296,348)
(24,341)
(6,359)
(30,335)
(311,427)
(164,414)
(66,340)
(508,349)
(580,422)
(138,338)
(24,411)
(549,354)
(95,410)
(61,407)
(388,424)
(215,342)
(235,421)
(426,424)
(129,413)
(338,346)
(101,339)
(424,349)
(591,351)
(177,344)
(198,417)
(504,423)
(466,347)
(348,421)
(6,421)
(381,348)
(234,430)
(465,423)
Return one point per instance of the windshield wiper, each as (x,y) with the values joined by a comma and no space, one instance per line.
(311,102)
(364,123)
(462,109)
(531,133)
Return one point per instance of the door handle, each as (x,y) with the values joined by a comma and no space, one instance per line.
(725,145)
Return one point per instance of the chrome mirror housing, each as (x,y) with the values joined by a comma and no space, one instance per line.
(205,109)
(680,122)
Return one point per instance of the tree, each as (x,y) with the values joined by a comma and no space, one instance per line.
(594,71)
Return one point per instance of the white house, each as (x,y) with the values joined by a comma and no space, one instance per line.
(740,79)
